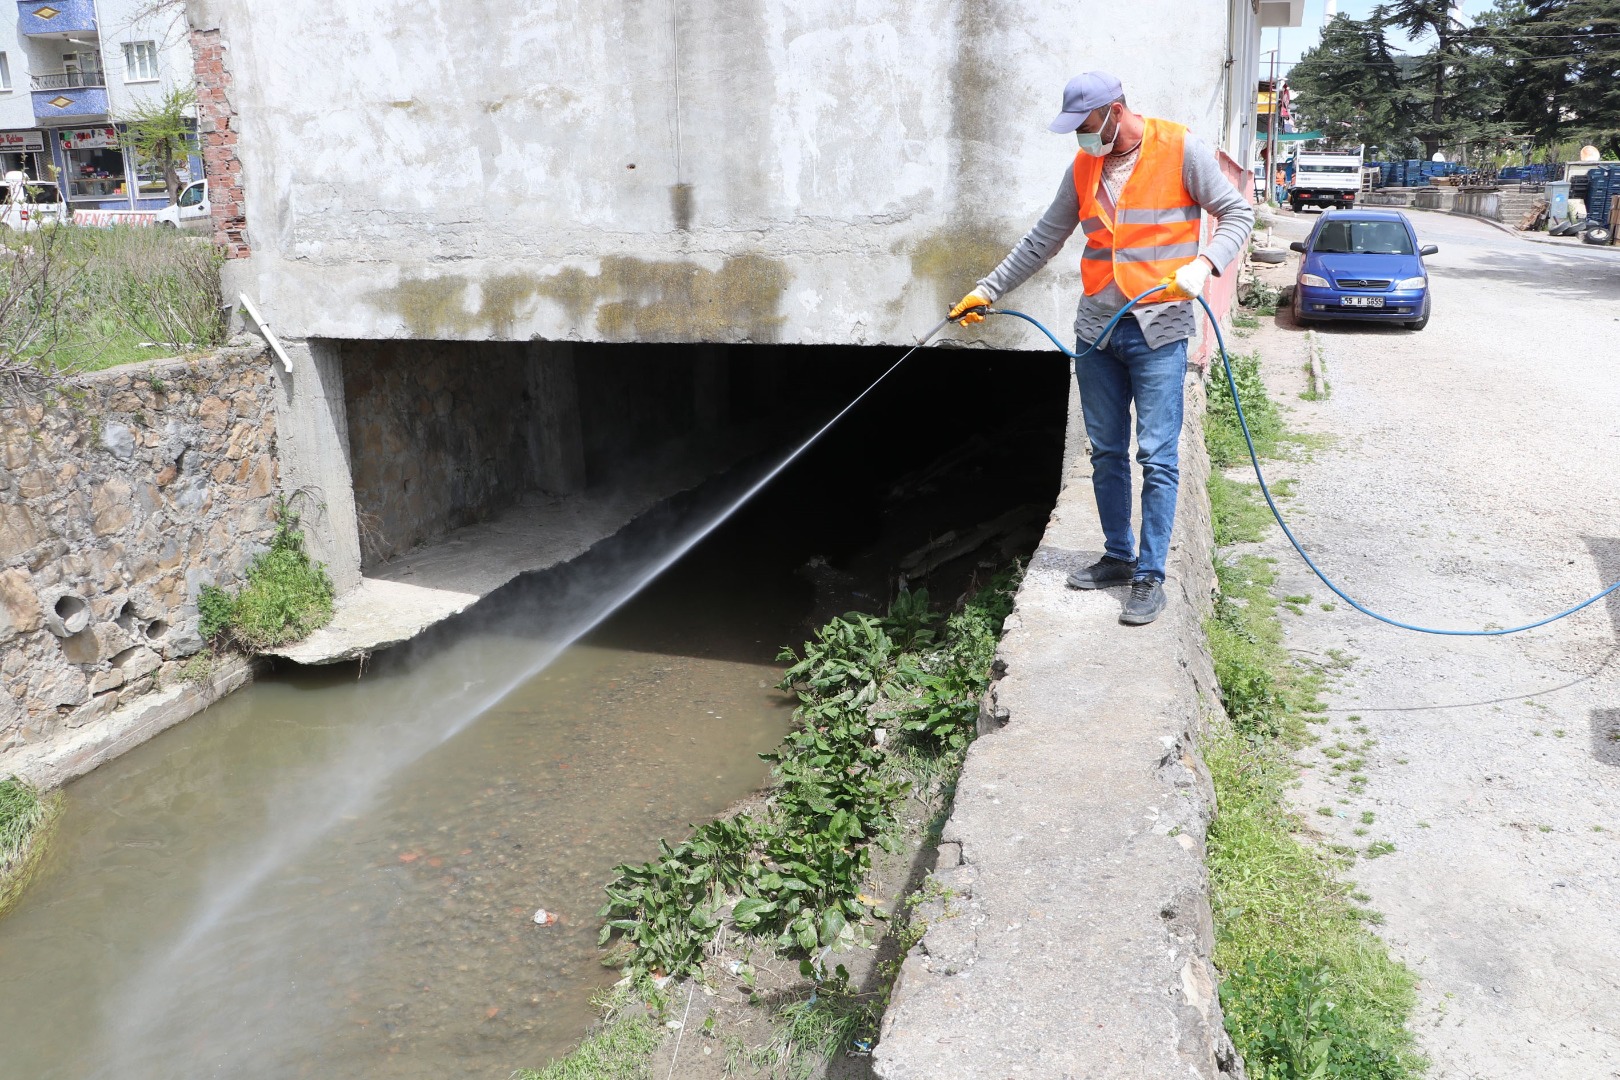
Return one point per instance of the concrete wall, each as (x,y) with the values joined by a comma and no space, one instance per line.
(1436,198)
(446,434)
(442,435)
(1485,204)
(752,170)
(117,503)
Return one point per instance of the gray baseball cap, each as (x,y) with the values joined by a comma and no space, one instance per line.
(1084,95)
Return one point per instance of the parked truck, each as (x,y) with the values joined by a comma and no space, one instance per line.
(1322,178)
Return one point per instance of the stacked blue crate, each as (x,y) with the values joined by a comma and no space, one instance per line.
(1600,185)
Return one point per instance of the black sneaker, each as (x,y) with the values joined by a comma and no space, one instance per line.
(1104,572)
(1145,603)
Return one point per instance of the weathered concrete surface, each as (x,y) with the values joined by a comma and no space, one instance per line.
(1075,933)
(745,170)
(313,452)
(54,763)
(399,599)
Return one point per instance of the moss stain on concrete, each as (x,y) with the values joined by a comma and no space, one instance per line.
(953,258)
(439,307)
(680,301)
(633,299)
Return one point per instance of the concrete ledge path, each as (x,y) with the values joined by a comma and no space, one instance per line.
(1073,934)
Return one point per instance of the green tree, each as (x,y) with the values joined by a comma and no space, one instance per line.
(1448,69)
(1349,87)
(158,131)
(1561,64)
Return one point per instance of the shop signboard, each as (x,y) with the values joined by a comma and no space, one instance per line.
(96,138)
(22,142)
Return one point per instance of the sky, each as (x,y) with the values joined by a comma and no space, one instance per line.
(1295,40)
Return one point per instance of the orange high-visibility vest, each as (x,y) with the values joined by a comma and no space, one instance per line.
(1155,227)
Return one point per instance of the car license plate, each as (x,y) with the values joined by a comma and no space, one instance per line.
(1361,301)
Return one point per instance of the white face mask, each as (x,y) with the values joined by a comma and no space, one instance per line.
(1091,142)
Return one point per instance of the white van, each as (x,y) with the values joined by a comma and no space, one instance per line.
(191,210)
(27,204)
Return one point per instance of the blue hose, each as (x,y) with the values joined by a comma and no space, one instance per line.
(1254,458)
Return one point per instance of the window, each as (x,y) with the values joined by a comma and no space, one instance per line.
(5,72)
(1362,238)
(140,61)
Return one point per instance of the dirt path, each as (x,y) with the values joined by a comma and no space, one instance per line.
(1474,480)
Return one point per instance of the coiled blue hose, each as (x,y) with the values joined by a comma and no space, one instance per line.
(1254,459)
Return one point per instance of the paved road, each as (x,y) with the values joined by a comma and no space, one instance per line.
(1475,480)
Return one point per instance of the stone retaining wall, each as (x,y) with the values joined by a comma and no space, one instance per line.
(118,501)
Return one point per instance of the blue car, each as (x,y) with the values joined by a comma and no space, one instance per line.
(1363,264)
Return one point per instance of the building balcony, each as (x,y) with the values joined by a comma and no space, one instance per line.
(56,18)
(69,80)
(68,103)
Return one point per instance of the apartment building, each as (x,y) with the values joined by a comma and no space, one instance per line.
(70,72)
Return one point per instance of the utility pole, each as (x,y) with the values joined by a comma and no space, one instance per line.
(1271,122)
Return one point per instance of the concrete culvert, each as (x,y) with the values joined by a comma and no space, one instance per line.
(67,615)
(126,619)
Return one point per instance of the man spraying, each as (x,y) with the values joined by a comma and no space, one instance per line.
(1136,190)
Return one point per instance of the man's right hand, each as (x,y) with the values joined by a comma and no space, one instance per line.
(964,308)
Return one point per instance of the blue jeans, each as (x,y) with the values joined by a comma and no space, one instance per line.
(1110,379)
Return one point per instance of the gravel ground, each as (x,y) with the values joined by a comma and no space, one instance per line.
(1471,481)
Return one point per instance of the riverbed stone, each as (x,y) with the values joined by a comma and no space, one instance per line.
(94,709)
(19,529)
(111,679)
(213,413)
(110,504)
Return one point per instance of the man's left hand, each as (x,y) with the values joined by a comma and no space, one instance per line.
(1188,281)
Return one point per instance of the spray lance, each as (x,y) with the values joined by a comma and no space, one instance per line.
(1254,458)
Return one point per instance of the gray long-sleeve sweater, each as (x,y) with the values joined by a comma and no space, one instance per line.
(1160,323)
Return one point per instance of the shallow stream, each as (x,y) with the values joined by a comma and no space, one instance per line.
(334,872)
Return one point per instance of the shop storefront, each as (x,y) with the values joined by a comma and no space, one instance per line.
(24,152)
(98,171)
(94,172)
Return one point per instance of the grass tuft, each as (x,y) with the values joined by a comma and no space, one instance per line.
(620,1048)
(26,819)
(286,595)
(1223,436)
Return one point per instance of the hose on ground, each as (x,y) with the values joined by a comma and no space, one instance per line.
(1259,473)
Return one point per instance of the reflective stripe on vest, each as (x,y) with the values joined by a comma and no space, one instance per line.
(1157,223)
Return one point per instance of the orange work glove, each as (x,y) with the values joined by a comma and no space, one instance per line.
(966,304)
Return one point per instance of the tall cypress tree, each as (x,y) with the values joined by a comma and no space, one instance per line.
(1349,86)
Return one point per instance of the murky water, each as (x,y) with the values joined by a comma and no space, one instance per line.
(398,940)
(334,874)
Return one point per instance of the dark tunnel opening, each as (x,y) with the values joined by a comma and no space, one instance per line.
(952,461)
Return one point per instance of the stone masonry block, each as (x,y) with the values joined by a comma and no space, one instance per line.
(20,612)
